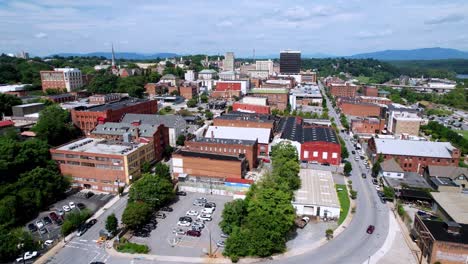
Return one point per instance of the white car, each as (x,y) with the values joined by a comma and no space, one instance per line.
(39,224)
(178,231)
(204,217)
(48,243)
(72,205)
(192,213)
(220,243)
(27,256)
(207,211)
(377,188)
(66,208)
(183,223)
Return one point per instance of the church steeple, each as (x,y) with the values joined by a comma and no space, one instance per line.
(113,57)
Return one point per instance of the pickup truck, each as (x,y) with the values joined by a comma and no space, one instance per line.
(301,222)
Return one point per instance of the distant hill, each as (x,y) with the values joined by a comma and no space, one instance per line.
(415,54)
(121,55)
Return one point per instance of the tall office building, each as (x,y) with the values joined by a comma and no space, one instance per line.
(266,65)
(228,63)
(290,62)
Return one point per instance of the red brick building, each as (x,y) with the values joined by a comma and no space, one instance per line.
(367,125)
(60,98)
(208,165)
(374,100)
(229,147)
(344,90)
(188,91)
(278,98)
(87,118)
(370,91)
(251,108)
(153,89)
(355,107)
(412,155)
(52,80)
(238,119)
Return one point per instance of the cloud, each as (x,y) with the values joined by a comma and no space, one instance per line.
(40,35)
(453,18)
(374,34)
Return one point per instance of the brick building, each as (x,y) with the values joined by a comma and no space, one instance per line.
(86,118)
(251,108)
(188,91)
(262,135)
(367,125)
(406,123)
(370,91)
(104,98)
(68,79)
(227,94)
(208,165)
(100,164)
(309,76)
(238,119)
(356,108)
(344,90)
(229,147)
(443,242)
(414,156)
(60,98)
(313,143)
(156,135)
(277,97)
(153,89)
(374,100)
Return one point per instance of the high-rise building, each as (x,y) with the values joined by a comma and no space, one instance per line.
(290,62)
(266,65)
(228,63)
(68,79)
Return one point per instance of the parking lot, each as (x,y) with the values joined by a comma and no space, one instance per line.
(52,230)
(163,241)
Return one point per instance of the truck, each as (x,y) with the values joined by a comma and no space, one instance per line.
(301,222)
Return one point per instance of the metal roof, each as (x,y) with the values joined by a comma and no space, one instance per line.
(243,133)
(455,204)
(169,121)
(317,188)
(414,148)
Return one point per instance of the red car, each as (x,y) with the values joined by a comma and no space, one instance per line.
(194,233)
(370,229)
(265,160)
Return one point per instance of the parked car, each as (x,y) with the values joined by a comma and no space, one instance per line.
(178,231)
(204,217)
(167,209)
(43,231)
(192,213)
(186,219)
(81,206)
(364,175)
(207,210)
(81,230)
(353,152)
(39,224)
(71,205)
(53,216)
(160,215)
(356,158)
(66,208)
(194,233)
(212,204)
(224,235)
(326,164)
(370,229)
(89,195)
(220,243)
(32,227)
(265,160)
(181,193)
(48,243)
(60,212)
(183,223)
(59,222)
(301,222)
(27,256)
(47,220)
(375,182)
(91,223)
(198,225)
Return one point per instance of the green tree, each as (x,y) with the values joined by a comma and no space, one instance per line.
(233,215)
(153,190)
(347,168)
(191,103)
(136,214)
(54,126)
(6,102)
(163,171)
(180,140)
(103,83)
(146,167)
(112,224)
(204,98)
(9,241)
(209,115)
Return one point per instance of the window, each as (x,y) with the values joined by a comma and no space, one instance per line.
(325,155)
(75,163)
(306,154)
(315,154)
(334,155)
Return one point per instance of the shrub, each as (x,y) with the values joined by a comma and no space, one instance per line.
(133,248)
(353,194)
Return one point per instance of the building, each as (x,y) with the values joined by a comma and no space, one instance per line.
(395,110)
(176,124)
(343,89)
(228,62)
(370,91)
(104,98)
(390,168)
(239,119)
(27,109)
(14,89)
(170,79)
(5,125)
(228,75)
(317,195)
(290,62)
(241,86)
(229,147)
(307,95)
(262,135)
(406,123)
(414,155)
(357,108)
(248,104)
(277,97)
(60,98)
(314,144)
(264,65)
(451,206)
(375,100)
(190,75)
(156,135)
(68,79)
(101,164)
(309,77)
(287,82)
(209,165)
(454,177)
(86,118)
(367,125)
(443,242)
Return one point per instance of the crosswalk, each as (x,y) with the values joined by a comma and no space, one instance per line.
(82,251)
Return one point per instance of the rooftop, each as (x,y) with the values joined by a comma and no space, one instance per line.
(226,141)
(66,69)
(410,179)
(293,129)
(265,90)
(113,128)
(243,133)
(125,102)
(28,105)
(248,117)
(414,148)
(169,121)
(207,71)
(317,188)
(100,146)
(455,204)
(391,165)
(208,155)
(438,230)
(447,171)
(12,88)
(442,181)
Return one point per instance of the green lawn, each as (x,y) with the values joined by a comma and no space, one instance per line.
(464,133)
(344,202)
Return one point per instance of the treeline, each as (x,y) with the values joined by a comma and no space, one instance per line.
(442,133)
(449,66)
(260,224)
(16,70)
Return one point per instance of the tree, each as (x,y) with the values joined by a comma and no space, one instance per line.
(136,214)
(329,234)
(112,224)
(54,126)
(162,170)
(153,190)
(191,103)
(376,167)
(204,98)
(233,215)
(209,115)
(9,241)
(180,140)
(146,167)
(347,168)
(175,93)
(6,102)
(103,83)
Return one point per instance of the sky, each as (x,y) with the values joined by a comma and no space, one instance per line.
(336,27)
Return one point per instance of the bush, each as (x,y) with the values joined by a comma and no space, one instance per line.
(73,220)
(133,248)
(353,194)
(329,234)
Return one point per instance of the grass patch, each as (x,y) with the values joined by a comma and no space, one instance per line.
(344,202)
(464,133)
(132,248)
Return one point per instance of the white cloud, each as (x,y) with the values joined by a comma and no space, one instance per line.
(374,34)
(40,35)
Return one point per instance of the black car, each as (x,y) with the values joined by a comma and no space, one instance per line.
(91,223)
(326,164)
(59,222)
(167,209)
(364,175)
(47,220)
(353,152)
(181,193)
(81,206)
(32,227)
(89,194)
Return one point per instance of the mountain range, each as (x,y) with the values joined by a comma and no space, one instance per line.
(386,55)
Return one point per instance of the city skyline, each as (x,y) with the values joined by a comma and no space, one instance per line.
(209,27)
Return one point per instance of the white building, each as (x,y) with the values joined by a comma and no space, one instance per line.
(258,74)
(13,88)
(73,78)
(303,95)
(265,66)
(391,169)
(317,195)
(228,62)
(228,75)
(254,100)
(190,75)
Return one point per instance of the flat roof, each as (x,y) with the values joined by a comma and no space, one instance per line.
(267,90)
(169,121)
(455,204)
(317,188)
(443,181)
(410,179)
(208,155)
(124,102)
(247,117)
(414,148)
(226,141)
(101,146)
(243,133)
(28,105)
(293,129)
(438,230)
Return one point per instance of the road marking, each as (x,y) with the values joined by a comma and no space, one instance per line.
(83,240)
(70,246)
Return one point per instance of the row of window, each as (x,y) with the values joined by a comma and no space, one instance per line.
(86,164)
(315,154)
(92,180)
(226,150)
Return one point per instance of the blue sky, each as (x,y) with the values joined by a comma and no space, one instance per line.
(341,27)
